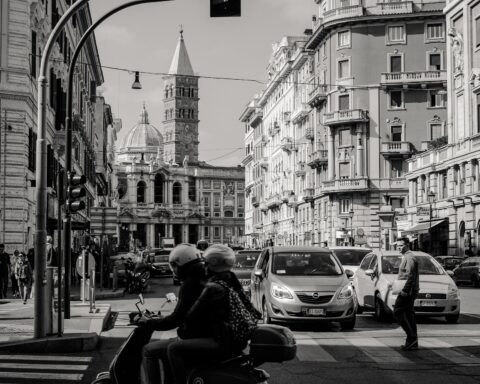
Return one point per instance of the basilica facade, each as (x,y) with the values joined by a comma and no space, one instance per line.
(163,190)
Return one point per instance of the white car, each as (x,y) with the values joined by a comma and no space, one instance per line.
(376,286)
(350,257)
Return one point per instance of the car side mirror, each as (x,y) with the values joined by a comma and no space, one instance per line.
(450,273)
(258,273)
(369,272)
(349,273)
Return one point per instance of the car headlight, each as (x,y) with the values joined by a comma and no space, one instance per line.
(346,293)
(281,292)
(452,293)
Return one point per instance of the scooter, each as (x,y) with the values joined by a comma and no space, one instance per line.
(269,343)
(137,276)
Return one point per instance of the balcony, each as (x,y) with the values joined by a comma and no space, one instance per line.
(274,201)
(392,8)
(397,149)
(263,207)
(258,226)
(292,201)
(249,185)
(345,117)
(345,185)
(393,183)
(300,112)
(255,201)
(264,139)
(256,117)
(317,96)
(286,195)
(308,196)
(343,13)
(309,133)
(264,162)
(287,144)
(413,78)
(315,159)
(247,159)
(300,171)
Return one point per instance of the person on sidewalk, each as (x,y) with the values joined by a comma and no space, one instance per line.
(187,265)
(5,268)
(23,272)
(404,305)
(13,278)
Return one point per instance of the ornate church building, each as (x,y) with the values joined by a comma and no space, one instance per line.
(163,189)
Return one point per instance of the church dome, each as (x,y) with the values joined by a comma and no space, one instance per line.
(143,135)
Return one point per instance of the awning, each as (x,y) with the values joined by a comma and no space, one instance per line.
(424,226)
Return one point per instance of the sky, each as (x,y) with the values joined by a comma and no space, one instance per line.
(143,38)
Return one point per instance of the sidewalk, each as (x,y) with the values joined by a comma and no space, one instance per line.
(81,331)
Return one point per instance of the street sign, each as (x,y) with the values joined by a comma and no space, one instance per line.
(423,211)
(103,221)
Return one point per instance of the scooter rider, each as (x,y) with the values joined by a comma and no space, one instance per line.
(187,265)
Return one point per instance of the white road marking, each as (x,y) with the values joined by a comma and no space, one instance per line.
(39,376)
(309,350)
(445,350)
(30,366)
(378,351)
(46,358)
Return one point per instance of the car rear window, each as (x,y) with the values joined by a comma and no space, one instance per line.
(426,265)
(305,264)
(351,256)
(246,260)
(161,259)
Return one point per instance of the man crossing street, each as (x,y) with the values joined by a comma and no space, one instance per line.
(4,271)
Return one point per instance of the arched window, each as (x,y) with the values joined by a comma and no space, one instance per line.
(166,92)
(171,90)
(228,214)
(141,187)
(158,198)
(177,193)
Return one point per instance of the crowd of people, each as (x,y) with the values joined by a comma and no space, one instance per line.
(18,269)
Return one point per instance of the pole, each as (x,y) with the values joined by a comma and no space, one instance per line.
(60,202)
(5,128)
(430,230)
(68,134)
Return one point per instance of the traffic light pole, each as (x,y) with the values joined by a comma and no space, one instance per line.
(67,238)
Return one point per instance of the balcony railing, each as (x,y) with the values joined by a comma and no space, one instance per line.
(264,162)
(287,144)
(345,116)
(315,159)
(396,148)
(300,112)
(255,201)
(317,95)
(257,117)
(300,171)
(309,133)
(308,194)
(415,77)
(343,13)
(393,183)
(342,185)
(274,201)
(247,159)
(394,7)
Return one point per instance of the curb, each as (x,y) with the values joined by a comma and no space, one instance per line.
(68,343)
(100,295)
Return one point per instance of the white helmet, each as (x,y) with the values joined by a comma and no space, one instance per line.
(182,255)
(219,258)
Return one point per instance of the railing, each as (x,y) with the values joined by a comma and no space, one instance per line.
(299,113)
(341,185)
(286,144)
(413,77)
(343,13)
(317,95)
(309,133)
(345,116)
(395,7)
(396,147)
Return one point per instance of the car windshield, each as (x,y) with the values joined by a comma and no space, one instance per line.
(161,259)
(351,256)
(426,265)
(246,260)
(305,263)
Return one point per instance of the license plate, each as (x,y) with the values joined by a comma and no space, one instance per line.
(314,311)
(428,303)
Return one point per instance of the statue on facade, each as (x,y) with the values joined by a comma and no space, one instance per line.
(457,49)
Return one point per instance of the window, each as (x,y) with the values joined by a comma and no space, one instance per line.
(395,63)
(344,205)
(396,202)
(397,132)
(343,39)
(478,113)
(344,137)
(436,131)
(206,232)
(33,53)
(396,34)
(396,99)
(434,62)
(435,100)
(343,102)
(435,31)
(141,186)
(344,170)
(216,231)
(397,167)
(477,32)
(216,200)
(343,69)
(177,193)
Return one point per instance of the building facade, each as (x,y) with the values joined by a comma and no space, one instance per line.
(25,27)
(448,222)
(367,94)
(162,188)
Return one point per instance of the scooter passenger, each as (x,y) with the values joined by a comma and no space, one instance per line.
(187,266)
(210,312)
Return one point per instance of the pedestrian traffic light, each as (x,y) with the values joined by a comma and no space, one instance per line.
(225,8)
(75,191)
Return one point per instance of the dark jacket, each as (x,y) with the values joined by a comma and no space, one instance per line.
(188,294)
(211,311)
(408,271)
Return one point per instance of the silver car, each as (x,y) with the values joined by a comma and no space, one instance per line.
(302,284)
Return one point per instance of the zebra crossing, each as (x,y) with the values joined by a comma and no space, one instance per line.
(29,368)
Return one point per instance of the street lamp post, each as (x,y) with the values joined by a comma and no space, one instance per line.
(431,198)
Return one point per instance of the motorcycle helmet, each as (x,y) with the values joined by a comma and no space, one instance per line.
(181,257)
(219,258)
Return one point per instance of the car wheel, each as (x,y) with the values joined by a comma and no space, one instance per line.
(452,319)
(266,317)
(349,324)
(475,281)
(380,313)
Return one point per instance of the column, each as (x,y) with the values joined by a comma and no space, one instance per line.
(411,193)
(150,235)
(359,157)
(151,189)
(331,154)
(170,192)
(185,233)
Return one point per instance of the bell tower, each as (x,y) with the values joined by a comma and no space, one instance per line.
(180,102)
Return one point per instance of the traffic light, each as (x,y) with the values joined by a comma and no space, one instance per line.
(225,8)
(75,191)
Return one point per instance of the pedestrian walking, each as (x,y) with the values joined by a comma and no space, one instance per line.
(5,269)
(13,278)
(23,272)
(404,305)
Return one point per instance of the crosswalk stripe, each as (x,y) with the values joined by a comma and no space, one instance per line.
(445,350)
(60,367)
(378,351)
(46,358)
(309,350)
(40,376)
(476,340)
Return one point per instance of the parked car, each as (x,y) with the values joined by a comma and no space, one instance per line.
(449,263)
(350,257)
(158,257)
(302,284)
(245,261)
(468,272)
(377,274)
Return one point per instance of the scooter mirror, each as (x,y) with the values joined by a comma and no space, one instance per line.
(140,297)
(171,297)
